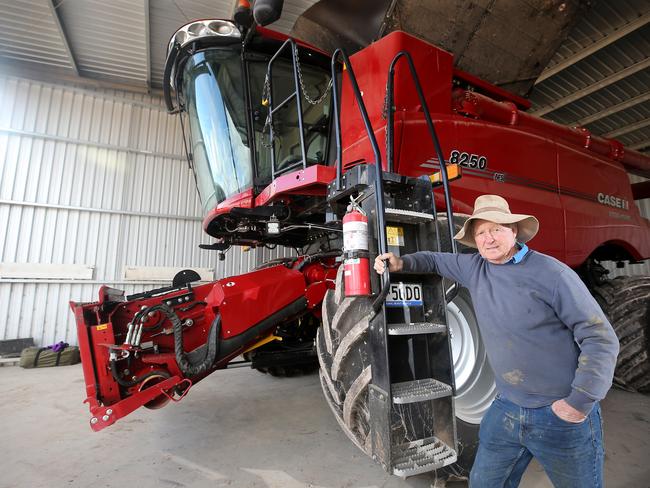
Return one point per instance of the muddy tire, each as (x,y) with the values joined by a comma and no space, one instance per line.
(345,373)
(626,302)
(343,354)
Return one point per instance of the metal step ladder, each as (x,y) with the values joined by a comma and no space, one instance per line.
(411,405)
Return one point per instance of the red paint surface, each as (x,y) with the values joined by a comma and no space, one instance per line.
(252,297)
(242,302)
(541,168)
(311,181)
(244,199)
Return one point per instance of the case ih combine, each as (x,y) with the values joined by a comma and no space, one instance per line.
(290,148)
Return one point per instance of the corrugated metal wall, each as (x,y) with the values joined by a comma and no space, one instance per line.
(97,177)
(90,177)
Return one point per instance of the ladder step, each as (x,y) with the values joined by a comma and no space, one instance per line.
(416,328)
(407,216)
(419,390)
(421,456)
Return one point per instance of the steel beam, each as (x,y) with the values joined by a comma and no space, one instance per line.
(627,129)
(595,47)
(147,36)
(64,37)
(588,90)
(613,109)
(640,145)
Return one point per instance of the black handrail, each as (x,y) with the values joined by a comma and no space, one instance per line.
(298,96)
(379,179)
(436,143)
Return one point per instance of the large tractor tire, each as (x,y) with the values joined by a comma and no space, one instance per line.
(626,302)
(343,354)
(345,372)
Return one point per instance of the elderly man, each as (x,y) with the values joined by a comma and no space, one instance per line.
(550,345)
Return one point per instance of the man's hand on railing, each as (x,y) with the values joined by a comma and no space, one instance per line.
(395,263)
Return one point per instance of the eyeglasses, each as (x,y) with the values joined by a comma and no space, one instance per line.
(494,232)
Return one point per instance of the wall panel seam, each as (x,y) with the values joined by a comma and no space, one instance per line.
(83,142)
(99,210)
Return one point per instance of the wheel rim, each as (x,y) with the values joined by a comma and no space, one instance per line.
(475,388)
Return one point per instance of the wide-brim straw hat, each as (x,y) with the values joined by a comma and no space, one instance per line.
(494,208)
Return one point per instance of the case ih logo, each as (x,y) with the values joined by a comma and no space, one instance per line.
(613,201)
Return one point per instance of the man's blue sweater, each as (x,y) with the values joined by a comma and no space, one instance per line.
(545,335)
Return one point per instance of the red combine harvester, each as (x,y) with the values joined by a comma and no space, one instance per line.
(288,147)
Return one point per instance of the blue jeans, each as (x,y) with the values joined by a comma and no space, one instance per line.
(510,436)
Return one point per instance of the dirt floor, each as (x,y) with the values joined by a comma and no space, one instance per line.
(237,428)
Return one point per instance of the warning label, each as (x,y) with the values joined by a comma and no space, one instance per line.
(395,236)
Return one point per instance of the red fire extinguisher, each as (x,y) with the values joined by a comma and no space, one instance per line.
(356,266)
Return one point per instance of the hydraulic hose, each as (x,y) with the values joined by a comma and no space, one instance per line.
(321,255)
(154,327)
(167,74)
(186,366)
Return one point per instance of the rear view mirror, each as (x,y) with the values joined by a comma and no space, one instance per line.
(266,12)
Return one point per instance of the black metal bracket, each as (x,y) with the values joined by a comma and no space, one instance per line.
(297,95)
(436,143)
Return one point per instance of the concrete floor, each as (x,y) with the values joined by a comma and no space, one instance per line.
(237,428)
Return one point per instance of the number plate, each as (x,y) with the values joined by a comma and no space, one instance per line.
(404,295)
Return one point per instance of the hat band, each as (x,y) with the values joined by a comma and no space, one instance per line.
(491,209)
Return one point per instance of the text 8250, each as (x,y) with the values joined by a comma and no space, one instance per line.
(467,159)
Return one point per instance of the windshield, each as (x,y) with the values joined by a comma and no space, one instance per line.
(214,95)
(214,90)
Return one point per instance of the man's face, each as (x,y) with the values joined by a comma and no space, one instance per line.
(495,242)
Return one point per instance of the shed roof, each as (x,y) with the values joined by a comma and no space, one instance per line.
(598,78)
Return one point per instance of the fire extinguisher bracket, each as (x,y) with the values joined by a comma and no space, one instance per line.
(357,255)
